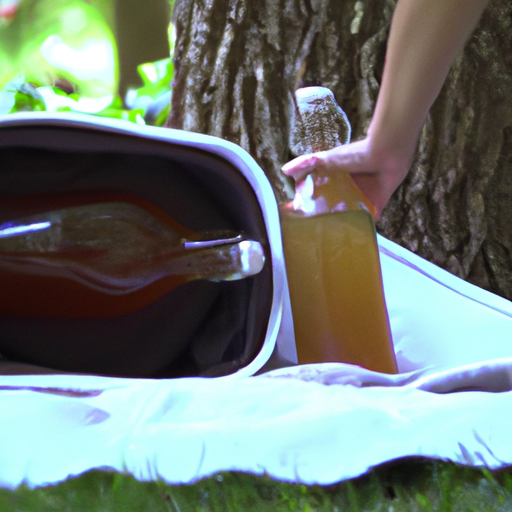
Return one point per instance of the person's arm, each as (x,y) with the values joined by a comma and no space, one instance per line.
(424,39)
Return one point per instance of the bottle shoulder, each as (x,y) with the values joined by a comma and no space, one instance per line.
(321,194)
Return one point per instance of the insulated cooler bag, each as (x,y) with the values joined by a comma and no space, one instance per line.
(200,328)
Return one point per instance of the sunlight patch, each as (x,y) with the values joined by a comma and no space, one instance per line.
(94,60)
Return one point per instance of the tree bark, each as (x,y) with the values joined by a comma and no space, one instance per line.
(238,62)
(455,207)
(236,65)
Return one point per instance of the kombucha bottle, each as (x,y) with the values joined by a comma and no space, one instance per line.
(332,263)
(106,256)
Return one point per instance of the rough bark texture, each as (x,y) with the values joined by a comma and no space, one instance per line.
(238,62)
(236,67)
(455,207)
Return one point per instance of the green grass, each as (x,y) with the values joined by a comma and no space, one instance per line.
(407,485)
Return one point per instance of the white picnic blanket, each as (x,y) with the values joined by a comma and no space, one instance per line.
(310,424)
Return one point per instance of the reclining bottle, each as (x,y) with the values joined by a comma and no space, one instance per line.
(331,253)
(105,254)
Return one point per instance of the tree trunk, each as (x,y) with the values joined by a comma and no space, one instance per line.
(236,65)
(238,62)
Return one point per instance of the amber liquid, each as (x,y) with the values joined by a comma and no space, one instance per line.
(33,295)
(109,254)
(29,293)
(339,313)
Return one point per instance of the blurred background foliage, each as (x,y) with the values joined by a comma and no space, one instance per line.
(103,57)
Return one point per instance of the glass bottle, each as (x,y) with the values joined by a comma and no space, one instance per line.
(105,254)
(332,260)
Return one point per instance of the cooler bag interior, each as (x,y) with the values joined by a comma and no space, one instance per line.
(199,328)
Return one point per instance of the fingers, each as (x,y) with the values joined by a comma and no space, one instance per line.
(354,158)
(303,165)
(376,174)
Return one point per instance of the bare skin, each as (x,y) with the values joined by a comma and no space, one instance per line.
(424,39)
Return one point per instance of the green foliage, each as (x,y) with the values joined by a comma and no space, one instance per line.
(403,486)
(154,97)
(116,111)
(59,39)
(20,96)
(150,104)
(49,53)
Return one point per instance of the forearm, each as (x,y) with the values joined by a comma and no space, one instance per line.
(424,39)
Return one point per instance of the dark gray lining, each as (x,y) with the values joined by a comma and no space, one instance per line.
(200,190)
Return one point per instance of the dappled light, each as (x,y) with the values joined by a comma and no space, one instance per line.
(52,41)
(63,57)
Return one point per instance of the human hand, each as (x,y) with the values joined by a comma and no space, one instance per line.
(377,173)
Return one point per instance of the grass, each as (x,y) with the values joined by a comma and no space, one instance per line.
(406,485)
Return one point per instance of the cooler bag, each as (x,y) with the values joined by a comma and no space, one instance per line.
(201,328)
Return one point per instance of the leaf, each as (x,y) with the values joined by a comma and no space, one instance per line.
(60,39)
(7,102)
(26,97)
(155,95)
